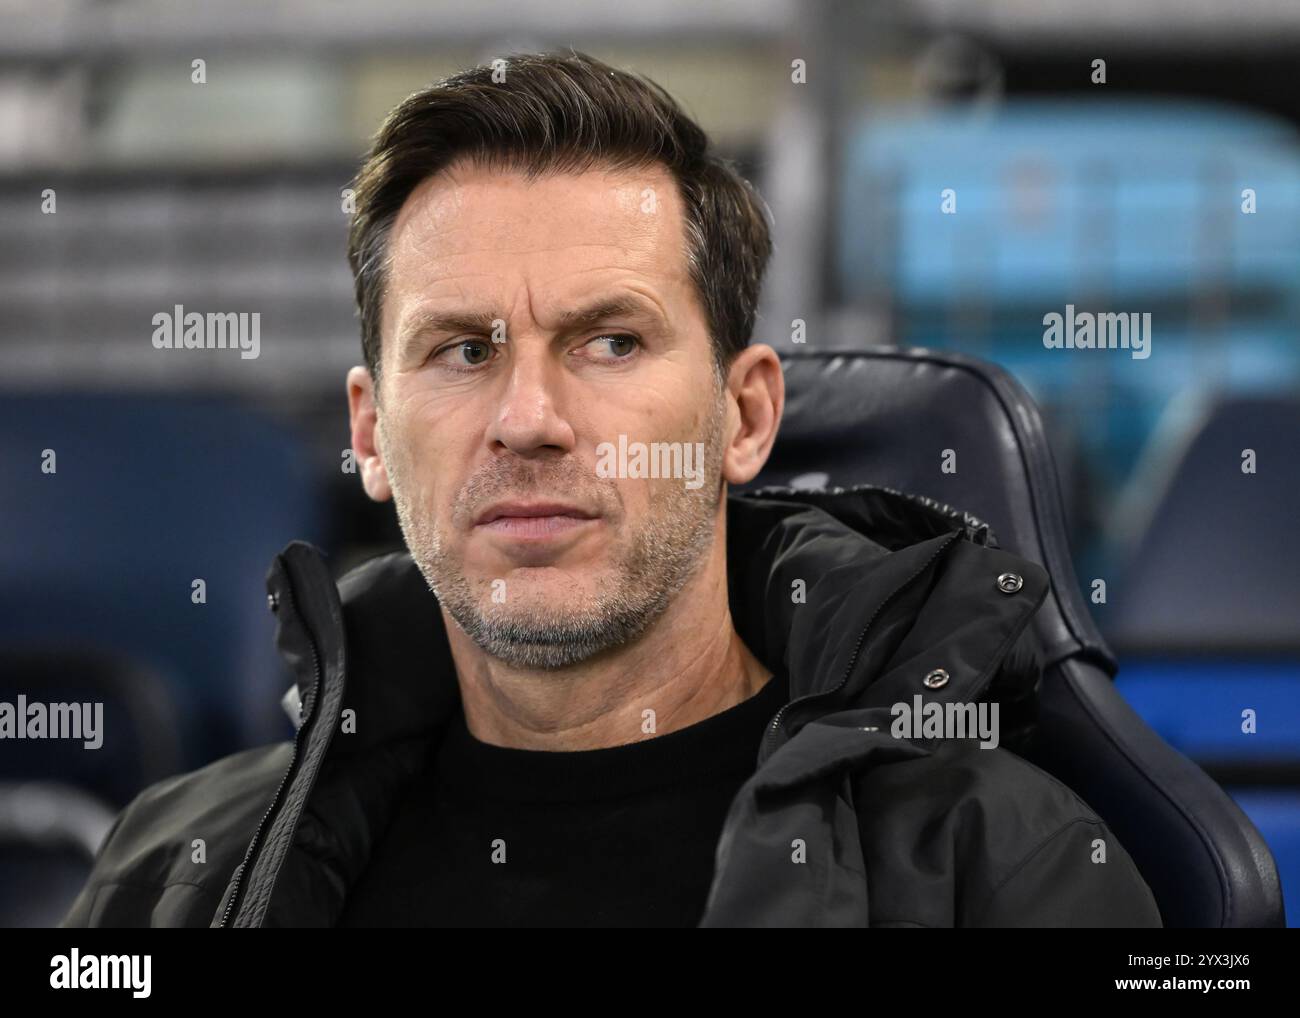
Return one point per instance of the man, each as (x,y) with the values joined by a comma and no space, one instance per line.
(600,690)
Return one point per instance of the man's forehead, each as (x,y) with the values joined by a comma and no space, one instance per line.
(467,233)
(463,203)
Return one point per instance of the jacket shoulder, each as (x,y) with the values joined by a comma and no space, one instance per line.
(171,851)
(1000,841)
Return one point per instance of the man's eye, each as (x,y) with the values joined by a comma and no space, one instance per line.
(475,351)
(620,346)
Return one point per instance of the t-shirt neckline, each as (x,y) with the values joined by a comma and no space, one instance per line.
(724,743)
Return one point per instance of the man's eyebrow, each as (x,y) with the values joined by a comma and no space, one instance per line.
(612,307)
(422,322)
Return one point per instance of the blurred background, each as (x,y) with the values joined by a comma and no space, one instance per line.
(1164,179)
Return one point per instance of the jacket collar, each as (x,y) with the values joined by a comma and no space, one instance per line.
(810,574)
(791,557)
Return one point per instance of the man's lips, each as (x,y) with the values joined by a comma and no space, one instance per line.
(525,510)
(532,519)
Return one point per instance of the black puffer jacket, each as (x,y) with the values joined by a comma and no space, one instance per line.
(842,824)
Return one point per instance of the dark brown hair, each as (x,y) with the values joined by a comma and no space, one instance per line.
(564,112)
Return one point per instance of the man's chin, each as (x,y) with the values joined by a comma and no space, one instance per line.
(544,639)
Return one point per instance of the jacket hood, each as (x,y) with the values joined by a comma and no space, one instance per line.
(811,574)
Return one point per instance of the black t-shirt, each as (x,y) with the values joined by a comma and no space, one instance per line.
(622,836)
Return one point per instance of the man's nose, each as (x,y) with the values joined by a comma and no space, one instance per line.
(528,415)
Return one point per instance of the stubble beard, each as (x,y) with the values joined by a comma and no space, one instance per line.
(647,572)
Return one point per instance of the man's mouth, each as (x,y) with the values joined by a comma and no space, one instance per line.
(537,520)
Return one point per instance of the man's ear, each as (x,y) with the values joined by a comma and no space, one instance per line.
(757,385)
(364,417)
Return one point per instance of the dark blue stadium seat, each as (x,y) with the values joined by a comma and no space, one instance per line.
(151,492)
(1276,812)
(883,417)
(139,733)
(1196,705)
(1216,566)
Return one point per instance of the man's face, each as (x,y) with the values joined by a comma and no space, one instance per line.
(491,431)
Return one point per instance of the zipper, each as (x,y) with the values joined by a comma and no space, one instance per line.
(255,844)
(769,737)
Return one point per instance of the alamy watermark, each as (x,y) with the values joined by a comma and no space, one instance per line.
(657,459)
(1108,330)
(934,720)
(75,971)
(179,329)
(34,720)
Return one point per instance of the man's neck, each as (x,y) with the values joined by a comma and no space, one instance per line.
(687,666)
